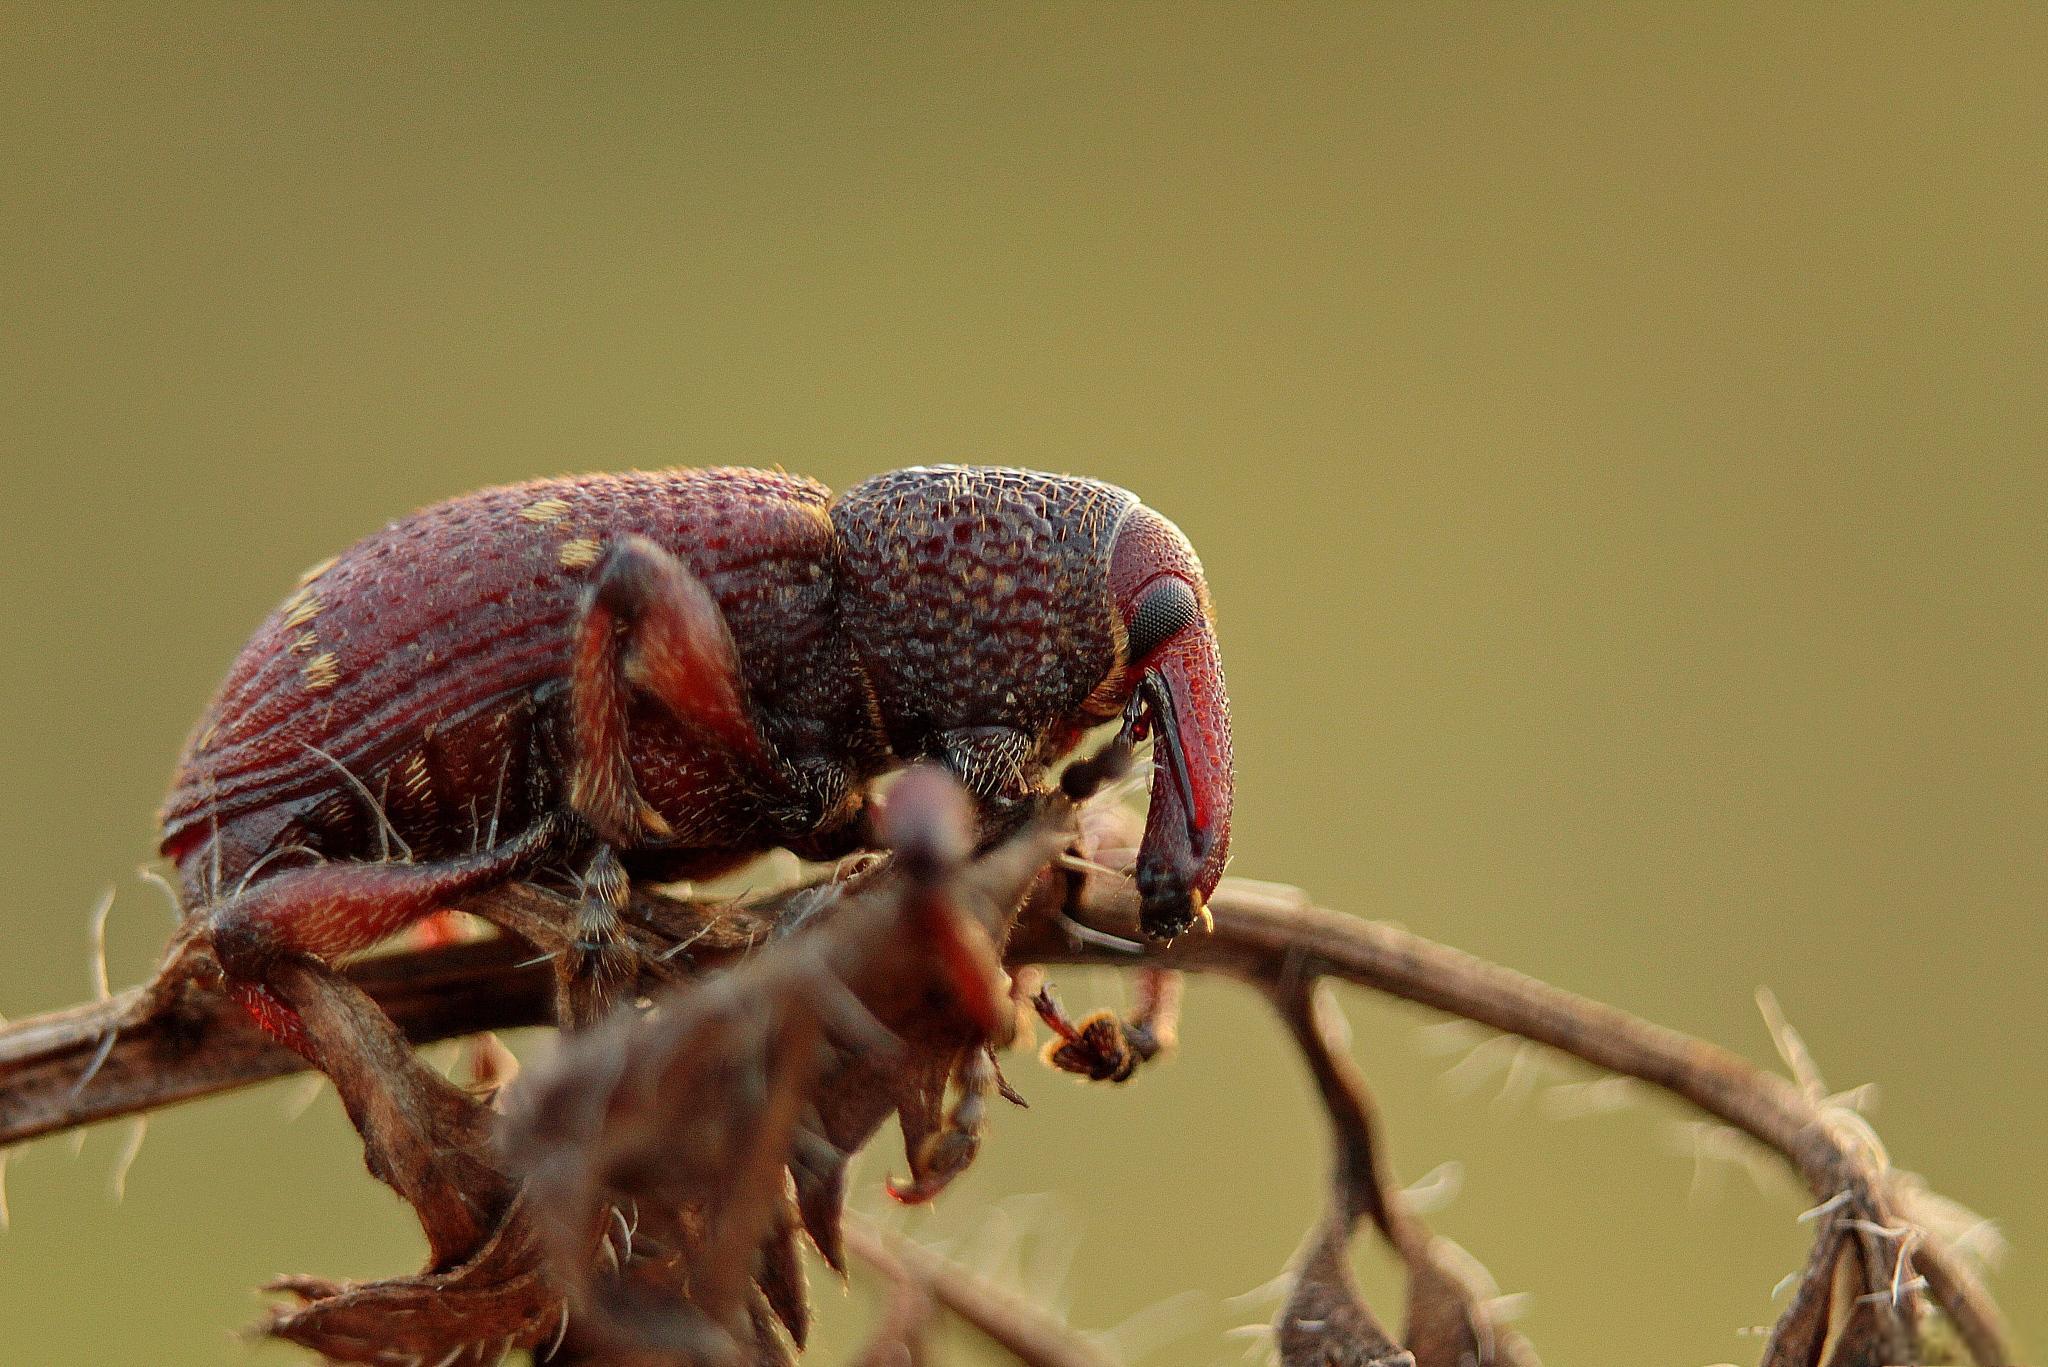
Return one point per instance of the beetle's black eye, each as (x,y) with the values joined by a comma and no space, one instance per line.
(1167,609)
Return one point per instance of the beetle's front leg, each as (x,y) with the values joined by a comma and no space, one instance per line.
(999,765)
(1102,1048)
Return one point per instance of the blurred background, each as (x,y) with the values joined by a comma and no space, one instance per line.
(1615,441)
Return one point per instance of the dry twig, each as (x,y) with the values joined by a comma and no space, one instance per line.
(1448,1322)
(519,1269)
(1265,935)
(1027,1333)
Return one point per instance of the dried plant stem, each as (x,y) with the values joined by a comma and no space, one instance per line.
(1274,937)
(1025,1331)
(1449,1320)
(201,1044)
(906,1321)
(57,1071)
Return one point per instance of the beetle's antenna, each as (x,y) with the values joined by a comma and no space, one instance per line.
(1166,732)
(387,832)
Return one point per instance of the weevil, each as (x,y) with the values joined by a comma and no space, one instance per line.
(659,675)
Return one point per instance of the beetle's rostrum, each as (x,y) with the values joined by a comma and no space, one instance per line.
(666,673)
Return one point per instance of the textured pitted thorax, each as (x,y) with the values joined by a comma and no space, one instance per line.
(415,659)
(977,596)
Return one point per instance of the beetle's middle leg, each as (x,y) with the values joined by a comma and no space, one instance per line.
(651,624)
(596,968)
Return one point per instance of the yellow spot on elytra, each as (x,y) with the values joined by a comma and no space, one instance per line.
(322,671)
(301,608)
(578,554)
(315,571)
(306,641)
(545,511)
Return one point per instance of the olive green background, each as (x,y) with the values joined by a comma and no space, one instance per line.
(1615,439)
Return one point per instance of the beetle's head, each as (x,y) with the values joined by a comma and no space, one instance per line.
(1169,678)
(1000,614)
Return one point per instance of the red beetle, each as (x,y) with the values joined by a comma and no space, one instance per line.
(662,674)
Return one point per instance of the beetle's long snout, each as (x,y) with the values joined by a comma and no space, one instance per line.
(1187,832)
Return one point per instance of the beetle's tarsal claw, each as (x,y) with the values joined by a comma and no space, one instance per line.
(1098,1050)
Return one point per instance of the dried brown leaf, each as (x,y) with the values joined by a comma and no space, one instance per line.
(1326,1322)
(422,1135)
(704,1114)
(1854,1303)
(497,1300)
(1447,1321)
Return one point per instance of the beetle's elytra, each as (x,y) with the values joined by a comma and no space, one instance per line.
(662,674)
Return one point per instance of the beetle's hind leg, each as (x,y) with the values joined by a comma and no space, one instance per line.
(324,911)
